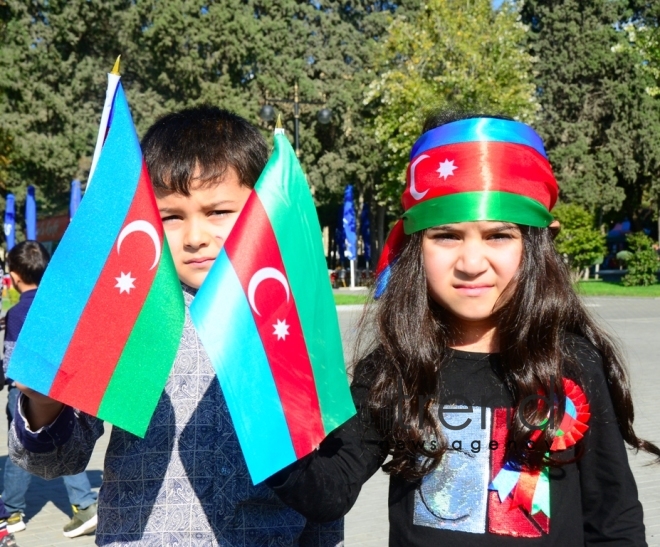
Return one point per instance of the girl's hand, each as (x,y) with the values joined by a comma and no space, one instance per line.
(39,409)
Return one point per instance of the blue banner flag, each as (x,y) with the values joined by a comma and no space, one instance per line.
(10,221)
(365,231)
(74,201)
(30,215)
(348,222)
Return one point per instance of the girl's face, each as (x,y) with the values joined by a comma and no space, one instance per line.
(469,264)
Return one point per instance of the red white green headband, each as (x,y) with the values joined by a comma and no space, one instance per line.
(471,170)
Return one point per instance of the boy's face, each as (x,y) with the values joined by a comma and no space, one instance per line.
(197,226)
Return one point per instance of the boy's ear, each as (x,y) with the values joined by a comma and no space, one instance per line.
(15,278)
(555,228)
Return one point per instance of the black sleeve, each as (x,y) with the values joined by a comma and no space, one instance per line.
(611,510)
(324,485)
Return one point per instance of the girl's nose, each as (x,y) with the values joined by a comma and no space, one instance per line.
(472,258)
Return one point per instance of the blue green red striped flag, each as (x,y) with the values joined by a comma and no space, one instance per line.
(106,322)
(267,318)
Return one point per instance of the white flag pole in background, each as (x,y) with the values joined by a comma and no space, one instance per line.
(113,82)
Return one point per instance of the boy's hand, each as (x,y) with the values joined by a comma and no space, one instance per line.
(39,409)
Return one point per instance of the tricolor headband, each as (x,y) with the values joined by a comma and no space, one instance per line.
(471,170)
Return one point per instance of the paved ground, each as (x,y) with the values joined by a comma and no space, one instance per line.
(636,322)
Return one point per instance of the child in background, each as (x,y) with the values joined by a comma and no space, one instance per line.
(27,263)
(186,482)
(504,407)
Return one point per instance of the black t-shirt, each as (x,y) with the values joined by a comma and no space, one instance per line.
(591,501)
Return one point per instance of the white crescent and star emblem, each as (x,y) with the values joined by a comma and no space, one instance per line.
(125,283)
(446,169)
(413,191)
(262,275)
(281,330)
(147,228)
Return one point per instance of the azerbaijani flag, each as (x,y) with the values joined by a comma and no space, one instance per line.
(105,325)
(267,319)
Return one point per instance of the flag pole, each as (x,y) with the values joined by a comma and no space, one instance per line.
(113,82)
(279,128)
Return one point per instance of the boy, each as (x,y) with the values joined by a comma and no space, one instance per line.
(186,482)
(27,263)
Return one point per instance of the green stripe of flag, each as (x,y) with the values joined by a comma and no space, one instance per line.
(474,206)
(299,238)
(146,360)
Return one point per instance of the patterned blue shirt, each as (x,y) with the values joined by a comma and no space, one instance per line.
(185,483)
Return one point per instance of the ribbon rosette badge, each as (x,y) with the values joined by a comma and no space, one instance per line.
(531,489)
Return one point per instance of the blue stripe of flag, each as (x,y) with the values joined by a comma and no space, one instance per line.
(479,130)
(77,263)
(225,324)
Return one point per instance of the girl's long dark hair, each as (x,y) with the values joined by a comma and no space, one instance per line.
(535,322)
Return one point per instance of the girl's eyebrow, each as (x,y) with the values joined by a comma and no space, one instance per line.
(501,227)
(504,226)
(444,228)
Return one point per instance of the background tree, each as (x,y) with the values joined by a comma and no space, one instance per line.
(450,54)
(53,58)
(5,139)
(177,53)
(580,244)
(241,54)
(600,126)
(5,151)
(643,33)
(648,41)
(642,263)
(644,36)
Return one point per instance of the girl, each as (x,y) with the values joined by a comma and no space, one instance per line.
(502,404)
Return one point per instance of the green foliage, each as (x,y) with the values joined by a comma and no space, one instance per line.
(53,59)
(5,152)
(643,264)
(594,287)
(646,40)
(644,36)
(601,128)
(352,299)
(175,53)
(11,298)
(578,241)
(5,139)
(241,54)
(54,56)
(450,54)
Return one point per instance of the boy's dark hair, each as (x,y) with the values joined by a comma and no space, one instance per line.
(206,138)
(29,260)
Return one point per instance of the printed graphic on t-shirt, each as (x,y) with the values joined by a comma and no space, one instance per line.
(459,494)
(455,495)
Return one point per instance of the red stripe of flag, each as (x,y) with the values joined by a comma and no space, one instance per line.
(109,316)
(504,517)
(251,248)
(479,166)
